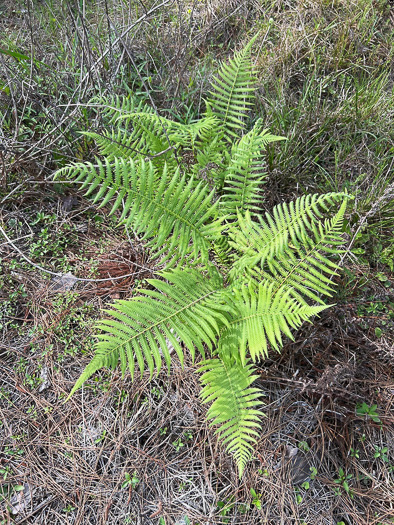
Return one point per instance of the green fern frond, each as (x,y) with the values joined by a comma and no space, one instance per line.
(113,106)
(123,142)
(309,269)
(187,135)
(234,406)
(264,313)
(178,134)
(117,144)
(289,248)
(285,223)
(244,175)
(233,91)
(152,134)
(186,310)
(176,216)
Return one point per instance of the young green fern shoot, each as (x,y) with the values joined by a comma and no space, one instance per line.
(232,280)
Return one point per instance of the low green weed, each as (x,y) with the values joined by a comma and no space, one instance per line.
(355,453)
(381,452)
(226,507)
(343,482)
(256,498)
(364,409)
(130,480)
(180,442)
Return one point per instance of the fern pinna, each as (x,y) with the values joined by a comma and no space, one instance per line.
(232,279)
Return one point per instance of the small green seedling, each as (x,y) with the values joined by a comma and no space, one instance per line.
(303,445)
(343,481)
(298,495)
(365,410)
(256,501)
(157,392)
(226,507)
(4,472)
(188,435)
(101,437)
(69,508)
(381,453)
(130,481)
(178,444)
(7,490)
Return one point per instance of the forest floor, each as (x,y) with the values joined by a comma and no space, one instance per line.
(123,452)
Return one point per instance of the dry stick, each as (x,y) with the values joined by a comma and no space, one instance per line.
(119,39)
(5,69)
(61,274)
(3,175)
(120,62)
(149,96)
(148,157)
(39,507)
(143,6)
(111,58)
(261,45)
(184,52)
(29,86)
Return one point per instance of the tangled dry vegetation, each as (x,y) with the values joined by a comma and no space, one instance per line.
(141,453)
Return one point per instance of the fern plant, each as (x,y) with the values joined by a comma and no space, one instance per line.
(232,280)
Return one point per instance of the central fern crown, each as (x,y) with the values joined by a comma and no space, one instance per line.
(232,279)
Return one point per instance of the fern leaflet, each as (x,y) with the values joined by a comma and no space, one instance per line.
(233,91)
(227,384)
(263,314)
(176,216)
(244,175)
(187,309)
(289,247)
